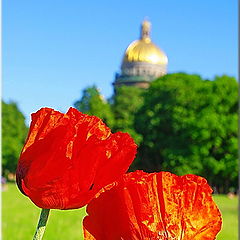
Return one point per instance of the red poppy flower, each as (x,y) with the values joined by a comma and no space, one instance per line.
(68,158)
(162,205)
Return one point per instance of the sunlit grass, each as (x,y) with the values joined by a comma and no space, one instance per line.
(229,210)
(20,216)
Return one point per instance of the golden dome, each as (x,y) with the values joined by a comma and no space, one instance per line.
(144,50)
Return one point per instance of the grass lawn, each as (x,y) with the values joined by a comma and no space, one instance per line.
(229,210)
(20,216)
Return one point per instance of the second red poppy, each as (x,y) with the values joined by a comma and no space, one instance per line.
(154,206)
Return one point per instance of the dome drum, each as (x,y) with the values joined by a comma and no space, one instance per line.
(139,81)
(143,69)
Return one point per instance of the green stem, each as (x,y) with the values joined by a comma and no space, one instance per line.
(41,224)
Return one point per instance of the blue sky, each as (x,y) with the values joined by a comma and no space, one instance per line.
(53,49)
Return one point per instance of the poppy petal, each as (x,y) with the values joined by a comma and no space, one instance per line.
(68,158)
(153,206)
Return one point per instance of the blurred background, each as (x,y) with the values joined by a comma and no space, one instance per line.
(163,71)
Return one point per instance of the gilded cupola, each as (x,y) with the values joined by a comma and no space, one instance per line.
(144,50)
(143,61)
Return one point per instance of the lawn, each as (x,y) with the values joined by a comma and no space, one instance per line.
(229,210)
(19,218)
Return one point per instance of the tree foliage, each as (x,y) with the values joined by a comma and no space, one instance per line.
(126,102)
(93,103)
(183,124)
(189,125)
(14,132)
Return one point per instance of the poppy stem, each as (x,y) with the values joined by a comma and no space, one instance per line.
(41,224)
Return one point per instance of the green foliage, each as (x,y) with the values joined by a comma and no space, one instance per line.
(93,103)
(189,125)
(126,102)
(183,124)
(14,132)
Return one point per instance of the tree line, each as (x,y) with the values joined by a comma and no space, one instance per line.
(182,123)
(14,132)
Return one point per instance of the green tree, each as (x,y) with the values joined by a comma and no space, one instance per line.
(93,103)
(126,102)
(14,132)
(189,125)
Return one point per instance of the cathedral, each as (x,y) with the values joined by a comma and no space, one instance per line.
(143,61)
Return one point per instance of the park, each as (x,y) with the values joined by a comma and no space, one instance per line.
(102,143)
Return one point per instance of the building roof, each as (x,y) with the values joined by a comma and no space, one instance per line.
(144,50)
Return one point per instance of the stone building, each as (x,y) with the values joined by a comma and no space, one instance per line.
(143,61)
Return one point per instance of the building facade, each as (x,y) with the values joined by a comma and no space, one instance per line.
(143,61)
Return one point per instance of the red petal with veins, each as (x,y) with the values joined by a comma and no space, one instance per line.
(153,206)
(68,158)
